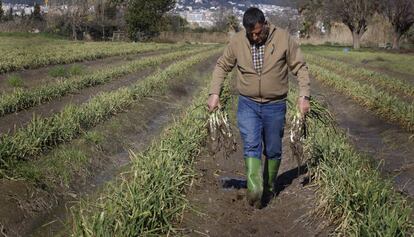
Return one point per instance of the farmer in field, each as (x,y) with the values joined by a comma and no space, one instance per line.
(263,54)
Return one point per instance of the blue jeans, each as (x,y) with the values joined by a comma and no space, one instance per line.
(261,126)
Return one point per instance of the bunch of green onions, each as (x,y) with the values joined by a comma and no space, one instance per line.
(300,126)
(298,134)
(220,133)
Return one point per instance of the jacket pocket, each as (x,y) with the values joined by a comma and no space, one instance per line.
(241,69)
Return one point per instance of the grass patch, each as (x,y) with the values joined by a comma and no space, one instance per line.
(58,72)
(58,168)
(76,70)
(15,80)
(94,138)
(66,72)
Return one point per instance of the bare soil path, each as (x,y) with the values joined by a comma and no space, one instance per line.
(218,198)
(382,140)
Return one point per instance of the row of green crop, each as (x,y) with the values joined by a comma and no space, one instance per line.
(147,199)
(42,134)
(384,104)
(351,192)
(22,99)
(351,72)
(394,62)
(24,54)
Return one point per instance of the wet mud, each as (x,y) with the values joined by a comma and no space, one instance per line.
(219,207)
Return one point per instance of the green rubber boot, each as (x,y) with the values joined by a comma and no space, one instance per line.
(254,181)
(272,170)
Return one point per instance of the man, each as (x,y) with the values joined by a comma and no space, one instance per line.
(263,54)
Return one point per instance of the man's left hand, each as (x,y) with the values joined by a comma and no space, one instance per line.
(304,105)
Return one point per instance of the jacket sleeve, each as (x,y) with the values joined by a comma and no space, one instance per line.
(298,67)
(224,65)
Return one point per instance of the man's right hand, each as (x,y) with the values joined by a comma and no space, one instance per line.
(213,102)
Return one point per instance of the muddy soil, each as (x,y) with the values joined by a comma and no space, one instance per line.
(217,198)
(10,122)
(132,130)
(33,78)
(387,143)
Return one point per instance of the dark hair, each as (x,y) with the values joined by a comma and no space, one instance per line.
(252,16)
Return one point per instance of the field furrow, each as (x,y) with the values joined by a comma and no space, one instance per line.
(29,79)
(34,54)
(349,72)
(400,63)
(385,105)
(42,134)
(22,99)
(152,189)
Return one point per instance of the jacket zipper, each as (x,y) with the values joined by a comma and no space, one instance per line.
(260,88)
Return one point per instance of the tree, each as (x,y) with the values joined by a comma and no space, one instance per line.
(1,11)
(10,14)
(355,14)
(175,23)
(287,19)
(224,21)
(312,12)
(78,12)
(400,13)
(100,14)
(233,23)
(143,16)
(36,13)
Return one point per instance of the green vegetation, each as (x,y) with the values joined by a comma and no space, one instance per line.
(365,76)
(149,198)
(66,72)
(351,192)
(15,80)
(382,103)
(42,134)
(58,72)
(67,164)
(393,62)
(32,52)
(94,138)
(143,17)
(23,99)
